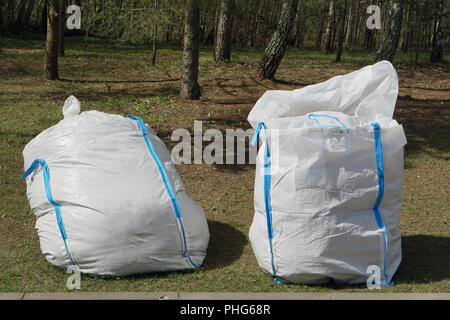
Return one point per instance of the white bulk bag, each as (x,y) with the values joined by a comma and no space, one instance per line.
(328,185)
(108,199)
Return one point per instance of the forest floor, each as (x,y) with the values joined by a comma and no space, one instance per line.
(118,78)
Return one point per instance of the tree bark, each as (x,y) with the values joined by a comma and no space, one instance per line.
(19,24)
(274,51)
(62,27)
(28,12)
(300,26)
(356,25)
(405,36)
(51,45)
(155,33)
(320,32)
(392,33)
(190,88)
(349,34)
(222,44)
(329,30)
(255,15)
(436,43)
(341,32)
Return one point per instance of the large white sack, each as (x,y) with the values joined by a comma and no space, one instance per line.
(328,185)
(113,200)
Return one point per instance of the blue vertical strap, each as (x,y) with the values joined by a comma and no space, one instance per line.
(48,192)
(267,185)
(167,184)
(314,116)
(375,209)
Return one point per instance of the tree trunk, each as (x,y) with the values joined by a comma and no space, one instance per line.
(154,47)
(277,46)
(348,36)
(255,15)
(341,32)
(405,36)
(392,33)
(189,79)
(155,33)
(19,26)
(44,17)
(436,43)
(51,46)
(329,30)
(369,36)
(62,27)
(300,26)
(333,33)
(169,28)
(356,25)
(320,32)
(222,47)
(28,12)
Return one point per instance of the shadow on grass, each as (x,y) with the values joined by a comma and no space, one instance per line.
(118,81)
(89,94)
(292,83)
(225,245)
(426,125)
(425,259)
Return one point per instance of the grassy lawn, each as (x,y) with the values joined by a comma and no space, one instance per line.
(118,78)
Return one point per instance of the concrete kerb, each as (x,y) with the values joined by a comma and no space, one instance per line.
(221,296)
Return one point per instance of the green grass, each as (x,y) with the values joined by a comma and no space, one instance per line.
(118,78)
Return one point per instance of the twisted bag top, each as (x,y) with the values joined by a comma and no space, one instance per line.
(108,199)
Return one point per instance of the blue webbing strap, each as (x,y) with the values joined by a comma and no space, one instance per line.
(48,192)
(375,209)
(167,184)
(267,185)
(313,116)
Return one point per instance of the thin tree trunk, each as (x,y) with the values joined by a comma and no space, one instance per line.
(329,30)
(405,36)
(320,32)
(348,36)
(333,33)
(430,26)
(169,28)
(391,34)
(62,27)
(154,48)
(51,46)
(437,48)
(356,28)
(258,24)
(300,26)
(216,22)
(341,32)
(255,22)
(28,12)
(222,47)
(190,88)
(18,26)
(9,17)
(155,33)
(274,51)
(44,17)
